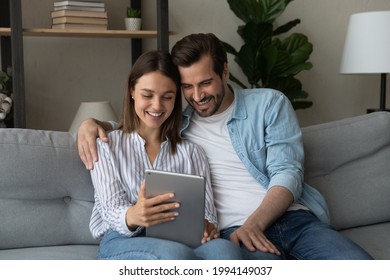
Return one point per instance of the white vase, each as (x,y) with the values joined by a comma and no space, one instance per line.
(133,23)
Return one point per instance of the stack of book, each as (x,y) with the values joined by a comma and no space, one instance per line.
(79,15)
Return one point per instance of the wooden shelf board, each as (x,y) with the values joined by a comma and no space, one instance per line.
(48,32)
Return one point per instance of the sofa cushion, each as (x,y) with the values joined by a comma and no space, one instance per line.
(348,162)
(46,194)
(374,239)
(68,252)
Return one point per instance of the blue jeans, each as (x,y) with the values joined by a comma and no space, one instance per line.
(114,246)
(300,235)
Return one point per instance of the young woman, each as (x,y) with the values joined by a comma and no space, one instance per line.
(148,138)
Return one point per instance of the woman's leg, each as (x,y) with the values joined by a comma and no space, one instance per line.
(219,249)
(116,247)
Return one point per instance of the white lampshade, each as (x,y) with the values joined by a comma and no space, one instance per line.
(367,44)
(101,110)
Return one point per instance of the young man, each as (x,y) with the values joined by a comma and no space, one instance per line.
(253,143)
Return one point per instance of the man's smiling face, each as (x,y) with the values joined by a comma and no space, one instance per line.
(203,89)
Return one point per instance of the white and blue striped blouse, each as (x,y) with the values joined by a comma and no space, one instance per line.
(120,170)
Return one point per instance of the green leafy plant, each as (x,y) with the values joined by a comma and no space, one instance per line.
(6,89)
(6,81)
(266,59)
(133,13)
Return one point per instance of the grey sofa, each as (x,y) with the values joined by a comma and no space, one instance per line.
(46,195)
(348,161)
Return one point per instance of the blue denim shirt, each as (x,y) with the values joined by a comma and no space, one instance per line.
(266,136)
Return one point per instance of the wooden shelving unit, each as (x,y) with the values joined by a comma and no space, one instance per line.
(84,33)
(10,11)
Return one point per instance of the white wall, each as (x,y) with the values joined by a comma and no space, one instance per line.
(62,72)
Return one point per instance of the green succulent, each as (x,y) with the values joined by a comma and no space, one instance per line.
(133,13)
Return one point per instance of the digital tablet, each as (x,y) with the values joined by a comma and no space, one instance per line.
(189,191)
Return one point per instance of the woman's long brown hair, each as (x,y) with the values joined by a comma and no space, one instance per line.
(150,62)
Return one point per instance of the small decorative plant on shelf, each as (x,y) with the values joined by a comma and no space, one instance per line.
(266,59)
(6,98)
(133,13)
(133,20)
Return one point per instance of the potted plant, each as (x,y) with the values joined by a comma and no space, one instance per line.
(266,59)
(6,98)
(133,20)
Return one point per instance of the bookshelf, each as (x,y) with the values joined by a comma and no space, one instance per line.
(48,32)
(12,43)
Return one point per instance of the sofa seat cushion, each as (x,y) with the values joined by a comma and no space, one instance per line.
(374,239)
(68,252)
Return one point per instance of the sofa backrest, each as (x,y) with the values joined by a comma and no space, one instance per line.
(46,194)
(348,161)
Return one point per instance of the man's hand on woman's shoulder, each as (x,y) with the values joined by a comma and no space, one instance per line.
(89,130)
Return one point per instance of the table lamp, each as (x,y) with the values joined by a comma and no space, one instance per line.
(367,48)
(101,110)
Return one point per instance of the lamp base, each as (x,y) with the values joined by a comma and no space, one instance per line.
(377,110)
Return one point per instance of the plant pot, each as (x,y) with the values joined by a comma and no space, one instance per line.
(133,23)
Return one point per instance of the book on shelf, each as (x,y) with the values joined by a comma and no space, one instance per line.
(79,3)
(79,15)
(76,13)
(79,8)
(78,26)
(97,21)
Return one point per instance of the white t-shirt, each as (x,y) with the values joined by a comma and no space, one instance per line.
(237,194)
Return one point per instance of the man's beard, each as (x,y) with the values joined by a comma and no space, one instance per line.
(218,102)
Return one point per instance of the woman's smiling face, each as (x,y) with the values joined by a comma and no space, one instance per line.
(154,99)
